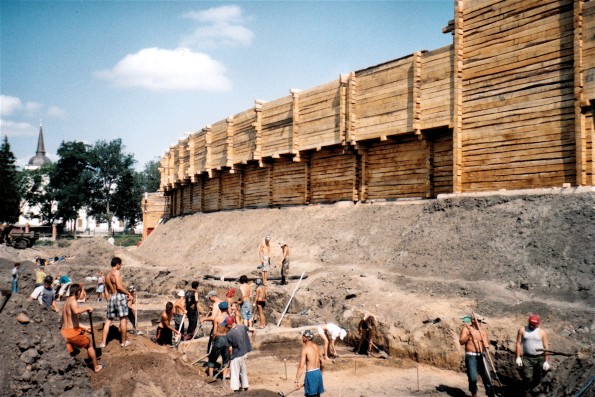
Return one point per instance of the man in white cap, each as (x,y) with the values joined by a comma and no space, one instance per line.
(329,333)
(264,254)
(284,263)
(532,345)
(180,311)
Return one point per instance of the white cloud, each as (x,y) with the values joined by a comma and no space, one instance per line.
(12,128)
(160,69)
(9,105)
(220,26)
(33,107)
(57,112)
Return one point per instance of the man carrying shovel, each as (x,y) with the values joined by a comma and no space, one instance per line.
(311,362)
(71,329)
(476,343)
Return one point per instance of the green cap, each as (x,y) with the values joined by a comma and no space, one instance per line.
(466,319)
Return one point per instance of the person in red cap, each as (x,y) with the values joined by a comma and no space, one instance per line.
(532,345)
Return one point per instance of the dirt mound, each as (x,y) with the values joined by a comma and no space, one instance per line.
(417,266)
(34,357)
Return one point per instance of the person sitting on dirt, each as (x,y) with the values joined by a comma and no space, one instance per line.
(261,301)
(532,356)
(245,308)
(284,262)
(239,347)
(191,306)
(165,331)
(329,333)
(264,254)
(117,304)
(476,342)
(16,274)
(40,275)
(65,283)
(213,313)
(45,294)
(220,346)
(131,311)
(71,329)
(179,311)
(367,330)
(310,360)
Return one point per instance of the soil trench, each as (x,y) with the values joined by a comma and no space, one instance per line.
(418,268)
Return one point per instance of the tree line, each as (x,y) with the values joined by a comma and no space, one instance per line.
(98,178)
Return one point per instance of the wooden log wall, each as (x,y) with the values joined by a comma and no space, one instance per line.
(518,95)
(333,175)
(396,169)
(509,105)
(320,116)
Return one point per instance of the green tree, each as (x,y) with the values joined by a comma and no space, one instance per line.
(150,178)
(36,192)
(71,180)
(113,170)
(9,198)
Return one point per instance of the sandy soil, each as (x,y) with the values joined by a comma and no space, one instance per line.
(417,266)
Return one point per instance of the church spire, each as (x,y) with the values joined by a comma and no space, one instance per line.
(40,158)
(40,145)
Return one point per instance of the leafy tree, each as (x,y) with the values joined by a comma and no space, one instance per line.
(112,175)
(36,192)
(9,198)
(150,178)
(71,180)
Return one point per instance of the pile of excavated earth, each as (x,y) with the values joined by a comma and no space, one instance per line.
(417,266)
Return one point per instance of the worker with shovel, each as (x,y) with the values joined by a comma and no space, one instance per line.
(71,329)
(310,360)
(476,342)
(532,352)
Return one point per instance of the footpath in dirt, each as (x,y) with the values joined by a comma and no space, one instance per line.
(416,266)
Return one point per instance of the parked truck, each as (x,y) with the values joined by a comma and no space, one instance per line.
(18,238)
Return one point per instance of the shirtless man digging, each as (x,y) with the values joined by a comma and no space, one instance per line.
(71,329)
(117,304)
(220,345)
(310,358)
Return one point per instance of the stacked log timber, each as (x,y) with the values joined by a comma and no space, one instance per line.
(383,99)
(231,190)
(509,105)
(244,137)
(257,185)
(276,127)
(396,170)
(436,79)
(319,116)
(518,105)
(333,175)
(289,182)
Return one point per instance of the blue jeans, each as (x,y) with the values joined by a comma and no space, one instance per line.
(15,286)
(477,364)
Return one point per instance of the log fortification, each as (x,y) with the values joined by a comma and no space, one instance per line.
(509,105)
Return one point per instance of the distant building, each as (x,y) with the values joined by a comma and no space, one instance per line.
(40,158)
(84,223)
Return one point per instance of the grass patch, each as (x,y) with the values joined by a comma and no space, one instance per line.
(127,240)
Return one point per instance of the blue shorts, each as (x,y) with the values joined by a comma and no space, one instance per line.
(245,311)
(313,383)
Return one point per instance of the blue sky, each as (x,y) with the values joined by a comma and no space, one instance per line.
(150,71)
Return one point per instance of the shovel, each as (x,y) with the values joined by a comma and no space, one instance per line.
(289,392)
(6,294)
(216,375)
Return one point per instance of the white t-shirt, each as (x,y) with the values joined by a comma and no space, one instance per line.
(333,330)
